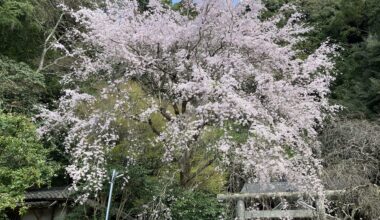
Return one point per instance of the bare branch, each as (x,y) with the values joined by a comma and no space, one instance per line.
(55,62)
(165,114)
(201,169)
(176,110)
(184,103)
(46,46)
(153,128)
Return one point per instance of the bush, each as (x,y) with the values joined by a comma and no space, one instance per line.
(196,205)
(23,160)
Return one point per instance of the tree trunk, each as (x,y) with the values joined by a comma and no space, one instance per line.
(185,165)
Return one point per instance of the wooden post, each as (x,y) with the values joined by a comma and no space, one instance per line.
(240,210)
(320,208)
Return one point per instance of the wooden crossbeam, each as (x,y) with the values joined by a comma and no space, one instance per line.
(302,213)
(238,196)
(319,211)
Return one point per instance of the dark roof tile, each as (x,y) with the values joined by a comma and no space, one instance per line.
(48,194)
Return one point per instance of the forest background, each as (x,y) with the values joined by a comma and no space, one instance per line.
(30,76)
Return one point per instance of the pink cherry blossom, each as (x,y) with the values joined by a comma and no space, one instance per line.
(225,65)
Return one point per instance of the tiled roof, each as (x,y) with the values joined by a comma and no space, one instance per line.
(47,194)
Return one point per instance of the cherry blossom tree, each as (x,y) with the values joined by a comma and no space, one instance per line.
(222,68)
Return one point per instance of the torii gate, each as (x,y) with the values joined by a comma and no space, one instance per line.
(279,190)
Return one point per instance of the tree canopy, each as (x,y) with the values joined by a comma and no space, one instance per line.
(211,72)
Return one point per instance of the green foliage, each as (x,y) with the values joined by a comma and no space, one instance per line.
(78,212)
(358,88)
(14,13)
(194,205)
(355,26)
(23,160)
(20,86)
(140,190)
(24,25)
(21,34)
